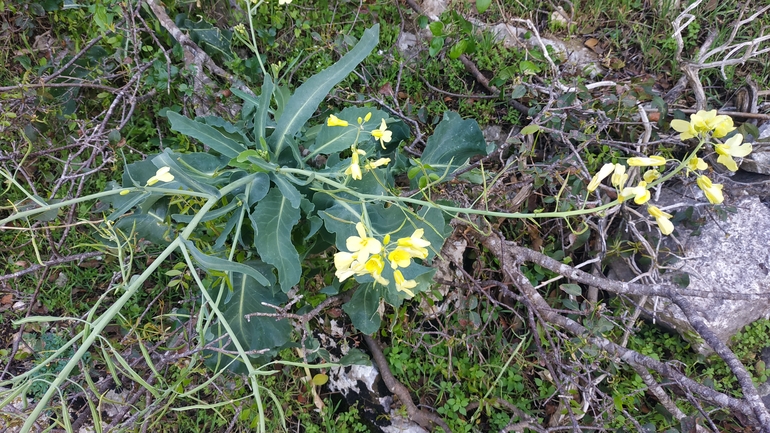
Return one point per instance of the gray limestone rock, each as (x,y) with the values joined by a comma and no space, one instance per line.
(730,255)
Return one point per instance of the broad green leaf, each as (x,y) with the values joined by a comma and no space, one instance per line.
(530,129)
(483,5)
(182,175)
(275,217)
(529,68)
(458,49)
(305,100)
(436,44)
(363,309)
(254,333)
(436,28)
(355,357)
(571,289)
(206,134)
(287,189)
(147,226)
(258,188)
(211,263)
(453,142)
(260,119)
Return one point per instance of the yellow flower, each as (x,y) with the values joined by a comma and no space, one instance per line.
(732,148)
(599,177)
(653,161)
(363,244)
(640,193)
(685,128)
(663,219)
(368,116)
(284,2)
(404,285)
(162,175)
(651,175)
(374,267)
(336,121)
(619,176)
(399,258)
(125,192)
(704,122)
(697,164)
(415,245)
(721,125)
(347,265)
(712,191)
(382,134)
(355,168)
(374,164)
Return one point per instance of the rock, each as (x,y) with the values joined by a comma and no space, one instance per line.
(362,386)
(407,45)
(433,8)
(759,159)
(573,53)
(725,256)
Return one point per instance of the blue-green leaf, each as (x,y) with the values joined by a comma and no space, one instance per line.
(253,333)
(453,142)
(211,263)
(260,119)
(363,309)
(287,189)
(206,135)
(275,217)
(305,100)
(146,226)
(183,176)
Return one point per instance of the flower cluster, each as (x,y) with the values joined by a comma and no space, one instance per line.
(702,125)
(382,134)
(366,256)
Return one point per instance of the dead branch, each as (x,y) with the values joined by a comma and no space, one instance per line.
(512,256)
(425,419)
(729,51)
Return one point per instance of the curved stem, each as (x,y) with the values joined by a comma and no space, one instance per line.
(449,209)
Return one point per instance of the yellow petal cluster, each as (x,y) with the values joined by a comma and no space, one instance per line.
(366,256)
(650,161)
(650,176)
(336,121)
(712,191)
(162,175)
(354,170)
(640,193)
(702,123)
(404,285)
(382,134)
(662,218)
(696,163)
(370,165)
(619,176)
(732,148)
(600,176)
